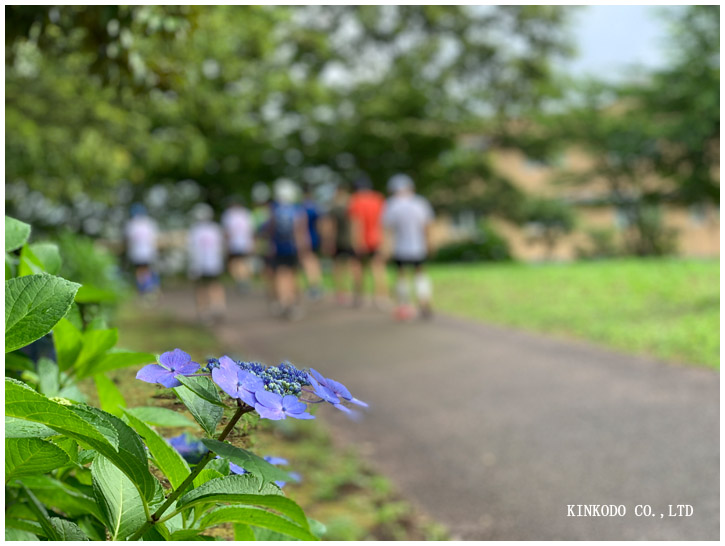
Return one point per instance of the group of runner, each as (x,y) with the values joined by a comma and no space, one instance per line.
(287,232)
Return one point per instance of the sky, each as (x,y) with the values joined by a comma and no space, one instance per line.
(611,39)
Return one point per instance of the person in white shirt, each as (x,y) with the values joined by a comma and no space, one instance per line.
(239,230)
(206,263)
(408,217)
(141,236)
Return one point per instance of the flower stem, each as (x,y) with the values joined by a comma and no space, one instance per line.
(241,410)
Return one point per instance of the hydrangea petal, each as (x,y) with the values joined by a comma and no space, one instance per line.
(227,379)
(152,373)
(339,389)
(236,469)
(187,369)
(291,404)
(269,413)
(174,359)
(276,460)
(269,399)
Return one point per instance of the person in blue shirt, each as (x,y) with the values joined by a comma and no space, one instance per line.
(310,259)
(290,239)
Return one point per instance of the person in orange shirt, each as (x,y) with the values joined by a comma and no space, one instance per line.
(365,210)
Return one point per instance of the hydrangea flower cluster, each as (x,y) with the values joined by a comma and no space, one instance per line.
(275,392)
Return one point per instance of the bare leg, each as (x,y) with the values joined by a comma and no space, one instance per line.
(313,272)
(285,286)
(240,271)
(340,270)
(423,292)
(356,268)
(217,299)
(377,268)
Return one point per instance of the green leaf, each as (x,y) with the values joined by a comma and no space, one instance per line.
(24,403)
(267,535)
(39,258)
(247,460)
(317,527)
(41,515)
(16,233)
(243,532)
(69,445)
(109,396)
(157,533)
(131,457)
(67,530)
(235,484)
(33,306)
(188,535)
(17,534)
(92,527)
(18,361)
(95,345)
(48,255)
(62,496)
(206,475)
(24,525)
(28,456)
(120,502)
(160,417)
(202,386)
(100,421)
(169,461)
(9,266)
(20,428)
(92,294)
(48,380)
(114,360)
(72,392)
(68,341)
(206,414)
(28,263)
(257,517)
(244,489)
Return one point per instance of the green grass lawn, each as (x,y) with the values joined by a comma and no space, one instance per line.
(667,308)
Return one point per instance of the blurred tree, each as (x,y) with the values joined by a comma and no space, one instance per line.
(652,141)
(684,100)
(550,219)
(228,95)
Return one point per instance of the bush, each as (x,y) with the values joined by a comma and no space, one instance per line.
(486,246)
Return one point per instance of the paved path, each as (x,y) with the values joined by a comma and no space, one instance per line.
(494,432)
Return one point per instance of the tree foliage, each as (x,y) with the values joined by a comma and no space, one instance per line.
(228,95)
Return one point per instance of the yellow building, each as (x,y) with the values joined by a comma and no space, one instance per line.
(695,229)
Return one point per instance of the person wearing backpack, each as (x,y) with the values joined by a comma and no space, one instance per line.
(289,236)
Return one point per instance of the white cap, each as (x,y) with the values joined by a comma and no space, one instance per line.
(285,191)
(400,182)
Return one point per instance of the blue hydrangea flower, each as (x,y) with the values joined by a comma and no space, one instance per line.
(274,406)
(236,382)
(211,363)
(171,364)
(332,391)
(190,449)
